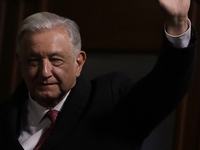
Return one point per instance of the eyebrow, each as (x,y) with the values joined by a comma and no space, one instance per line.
(56,54)
(32,54)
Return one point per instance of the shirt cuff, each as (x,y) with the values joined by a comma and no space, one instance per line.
(180,41)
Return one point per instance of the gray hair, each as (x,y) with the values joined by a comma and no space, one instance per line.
(46,20)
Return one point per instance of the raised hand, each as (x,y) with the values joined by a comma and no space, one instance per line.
(176,14)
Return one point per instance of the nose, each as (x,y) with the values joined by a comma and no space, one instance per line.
(45,69)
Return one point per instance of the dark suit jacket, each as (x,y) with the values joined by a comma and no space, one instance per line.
(110,112)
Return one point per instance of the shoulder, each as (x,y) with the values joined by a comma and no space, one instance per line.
(116,77)
(116,83)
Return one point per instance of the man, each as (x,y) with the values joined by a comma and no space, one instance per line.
(109,112)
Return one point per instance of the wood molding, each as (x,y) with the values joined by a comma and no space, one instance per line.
(2,19)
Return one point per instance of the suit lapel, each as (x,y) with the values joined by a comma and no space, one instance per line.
(71,114)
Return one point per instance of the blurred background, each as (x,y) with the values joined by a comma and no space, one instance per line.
(116,35)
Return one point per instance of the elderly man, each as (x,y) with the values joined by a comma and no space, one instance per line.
(57,109)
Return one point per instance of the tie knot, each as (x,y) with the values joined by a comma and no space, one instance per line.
(52,114)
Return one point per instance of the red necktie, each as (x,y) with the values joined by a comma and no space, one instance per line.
(51,114)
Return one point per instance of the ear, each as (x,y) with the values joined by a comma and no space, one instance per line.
(80,60)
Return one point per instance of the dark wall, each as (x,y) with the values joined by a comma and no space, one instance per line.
(111,26)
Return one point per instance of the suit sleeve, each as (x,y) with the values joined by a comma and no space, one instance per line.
(154,97)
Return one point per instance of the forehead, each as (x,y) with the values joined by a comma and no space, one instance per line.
(57,34)
(46,40)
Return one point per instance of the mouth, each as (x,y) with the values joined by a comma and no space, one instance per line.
(46,84)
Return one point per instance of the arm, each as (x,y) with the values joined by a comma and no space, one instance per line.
(151,99)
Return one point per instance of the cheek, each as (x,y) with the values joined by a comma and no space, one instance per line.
(65,75)
(29,72)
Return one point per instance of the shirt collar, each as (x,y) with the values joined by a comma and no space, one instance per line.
(36,112)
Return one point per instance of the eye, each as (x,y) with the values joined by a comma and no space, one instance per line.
(33,61)
(56,61)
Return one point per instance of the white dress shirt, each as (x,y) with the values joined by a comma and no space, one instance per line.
(35,125)
(32,129)
(182,40)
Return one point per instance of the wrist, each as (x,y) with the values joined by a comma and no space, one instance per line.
(177,25)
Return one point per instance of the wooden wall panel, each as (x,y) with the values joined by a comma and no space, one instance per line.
(2,18)
(114,24)
(109,25)
(8,63)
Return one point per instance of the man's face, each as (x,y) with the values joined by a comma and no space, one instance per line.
(48,65)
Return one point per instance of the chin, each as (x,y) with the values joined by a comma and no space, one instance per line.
(46,96)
